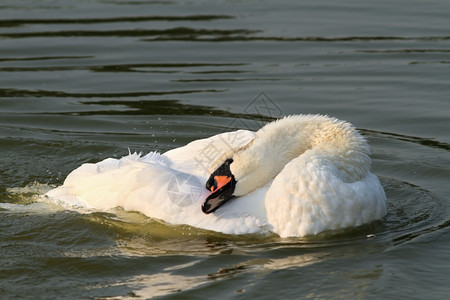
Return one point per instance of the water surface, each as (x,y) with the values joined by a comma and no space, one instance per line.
(86,80)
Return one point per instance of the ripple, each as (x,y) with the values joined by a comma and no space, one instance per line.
(404,51)
(38,58)
(248,37)
(177,33)
(193,18)
(6,93)
(206,35)
(140,68)
(407,138)
(412,211)
(430,62)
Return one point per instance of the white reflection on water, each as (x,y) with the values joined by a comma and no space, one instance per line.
(161,284)
(164,283)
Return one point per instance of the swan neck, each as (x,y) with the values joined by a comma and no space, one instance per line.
(280,142)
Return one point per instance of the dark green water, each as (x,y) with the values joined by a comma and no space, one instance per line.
(81,81)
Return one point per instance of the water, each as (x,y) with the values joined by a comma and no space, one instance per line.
(86,80)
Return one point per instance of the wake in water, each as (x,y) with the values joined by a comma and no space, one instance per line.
(29,199)
(412,212)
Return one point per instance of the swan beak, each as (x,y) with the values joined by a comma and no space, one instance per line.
(221,183)
(221,191)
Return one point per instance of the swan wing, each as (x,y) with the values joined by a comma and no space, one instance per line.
(200,156)
(169,187)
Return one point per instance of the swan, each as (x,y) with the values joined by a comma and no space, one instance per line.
(296,176)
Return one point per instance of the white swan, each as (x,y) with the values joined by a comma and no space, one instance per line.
(296,176)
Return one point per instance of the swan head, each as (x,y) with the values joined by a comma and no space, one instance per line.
(221,183)
(238,176)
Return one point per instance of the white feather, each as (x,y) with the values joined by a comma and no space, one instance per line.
(297,176)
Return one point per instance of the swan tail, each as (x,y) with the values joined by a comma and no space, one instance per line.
(102,185)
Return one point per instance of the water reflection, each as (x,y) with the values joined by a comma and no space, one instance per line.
(155,285)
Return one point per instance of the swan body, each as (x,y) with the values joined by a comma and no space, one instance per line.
(297,176)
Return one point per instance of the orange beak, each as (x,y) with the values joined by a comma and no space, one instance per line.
(219,182)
